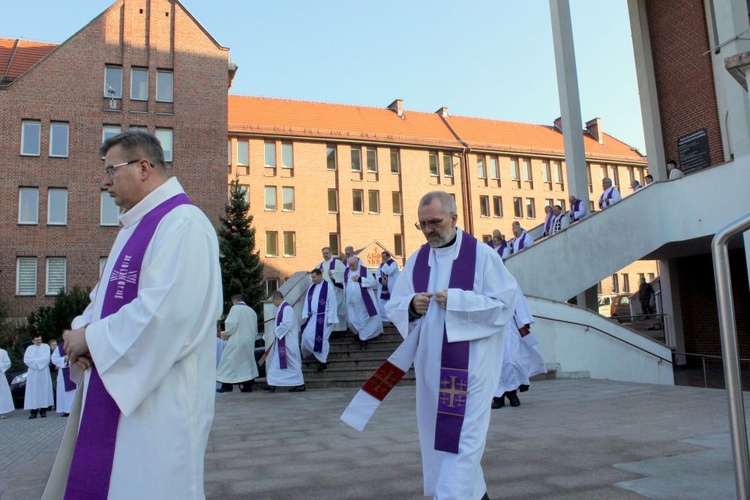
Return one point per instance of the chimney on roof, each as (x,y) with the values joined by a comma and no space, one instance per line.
(443,112)
(397,107)
(558,124)
(594,127)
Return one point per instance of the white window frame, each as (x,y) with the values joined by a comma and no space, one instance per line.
(28,261)
(484,205)
(38,125)
(34,220)
(104,200)
(361,201)
(276,244)
(358,166)
(243,153)
(54,138)
(370,193)
(284,190)
(293,253)
(52,193)
(110,131)
(331,152)
(164,134)
(374,153)
(334,192)
(266,206)
(118,89)
(287,155)
(50,285)
(133,83)
(160,85)
(269,146)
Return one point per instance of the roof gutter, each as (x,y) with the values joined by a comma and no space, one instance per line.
(465,184)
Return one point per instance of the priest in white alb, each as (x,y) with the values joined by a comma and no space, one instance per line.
(38,396)
(146,342)
(361,309)
(318,318)
(66,387)
(237,365)
(457,296)
(333,273)
(6,398)
(284,362)
(387,275)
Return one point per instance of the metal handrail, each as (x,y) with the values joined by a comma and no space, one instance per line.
(727,327)
(703,361)
(605,333)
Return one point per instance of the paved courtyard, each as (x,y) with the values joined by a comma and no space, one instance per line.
(570,439)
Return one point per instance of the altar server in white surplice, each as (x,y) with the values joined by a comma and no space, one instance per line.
(140,421)
(284,362)
(387,275)
(521,239)
(6,398)
(521,358)
(237,365)
(361,306)
(66,386)
(610,196)
(38,396)
(318,317)
(333,273)
(456,294)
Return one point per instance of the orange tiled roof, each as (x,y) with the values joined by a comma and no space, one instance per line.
(336,121)
(285,117)
(18,56)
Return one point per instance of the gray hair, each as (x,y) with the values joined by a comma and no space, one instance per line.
(607,181)
(140,143)
(446,201)
(277,295)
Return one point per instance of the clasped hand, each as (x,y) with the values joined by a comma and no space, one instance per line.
(421,301)
(77,348)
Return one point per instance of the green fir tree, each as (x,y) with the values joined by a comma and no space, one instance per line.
(241,269)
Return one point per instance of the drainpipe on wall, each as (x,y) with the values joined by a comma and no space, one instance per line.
(465,184)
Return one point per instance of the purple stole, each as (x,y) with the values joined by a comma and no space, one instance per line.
(91,466)
(454,362)
(385,293)
(574,209)
(320,318)
(548,223)
(521,243)
(501,248)
(69,384)
(281,342)
(608,197)
(331,266)
(371,311)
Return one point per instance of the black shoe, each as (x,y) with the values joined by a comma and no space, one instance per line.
(270,388)
(66,414)
(523,388)
(322,366)
(498,402)
(299,388)
(246,387)
(33,415)
(513,398)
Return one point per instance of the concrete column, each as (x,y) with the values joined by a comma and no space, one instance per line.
(589,299)
(670,297)
(644,69)
(570,103)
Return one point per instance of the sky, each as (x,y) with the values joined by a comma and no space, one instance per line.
(482,58)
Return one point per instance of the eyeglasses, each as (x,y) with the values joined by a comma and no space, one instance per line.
(422,225)
(110,169)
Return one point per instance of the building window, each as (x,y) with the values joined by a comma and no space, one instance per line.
(113,82)
(641,276)
(546,172)
(139,84)
(333,242)
(110,131)
(484,206)
(109,213)
(272,244)
(497,206)
(243,153)
(588,176)
(272,284)
(395,161)
(56,273)
(287,199)
(102,265)
(514,173)
(244,190)
(447,165)
(356,155)
(31,136)
(269,150)
(396,199)
(398,245)
(164,86)
(165,138)
(287,155)
(528,175)
(137,128)
(517,208)
(481,171)
(434,164)
(561,202)
(549,202)
(373,201)
(28,205)
(494,168)
(558,173)
(372,160)
(57,207)
(651,277)
(625,283)
(26,276)
(615,284)
(270,198)
(290,249)
(331,157)
(58,139)
(357,200)
(333,202)
(530,208)
(616,177)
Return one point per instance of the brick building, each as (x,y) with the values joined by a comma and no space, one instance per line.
(322,174)
(135,66)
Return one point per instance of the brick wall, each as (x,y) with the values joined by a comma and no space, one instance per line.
(684,76)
